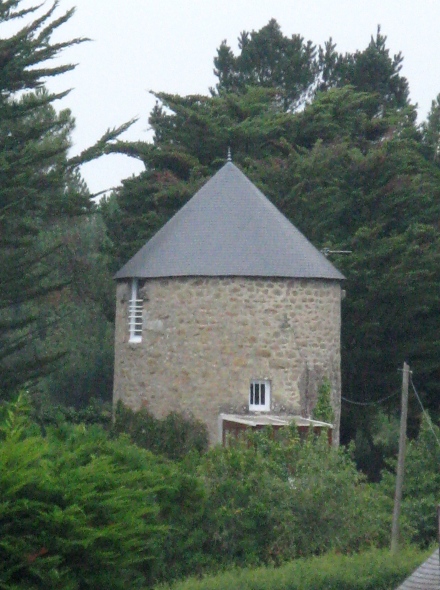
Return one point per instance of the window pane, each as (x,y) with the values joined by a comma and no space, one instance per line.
(257,394)
(263,394)
(251,401)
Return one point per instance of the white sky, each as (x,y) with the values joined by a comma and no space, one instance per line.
(169,45)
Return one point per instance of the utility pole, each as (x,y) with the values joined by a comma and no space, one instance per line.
(400,460)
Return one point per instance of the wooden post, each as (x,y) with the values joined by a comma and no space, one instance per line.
(400,460)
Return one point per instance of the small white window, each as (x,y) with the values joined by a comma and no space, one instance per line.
(135,312)
(259,396)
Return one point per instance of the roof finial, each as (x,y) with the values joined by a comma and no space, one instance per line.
(229,154)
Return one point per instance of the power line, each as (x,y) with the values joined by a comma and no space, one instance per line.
(375,403)
(428,419)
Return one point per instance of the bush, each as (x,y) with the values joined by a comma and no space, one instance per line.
(421,490)
(323,409)
(82,507)
(174,436)
(47,414)
(80,510)
(269,501)
(370,570)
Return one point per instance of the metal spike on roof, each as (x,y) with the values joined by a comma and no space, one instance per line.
(229,158)
(229,228)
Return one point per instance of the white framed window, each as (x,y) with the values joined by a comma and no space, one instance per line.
(135,313)
(259,395)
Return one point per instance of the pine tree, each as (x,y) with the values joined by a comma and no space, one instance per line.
(431,131)
(296,69)
(361,183)
(371,70)
(37,186)
(268,59)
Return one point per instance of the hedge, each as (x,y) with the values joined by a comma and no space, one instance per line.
(369,570)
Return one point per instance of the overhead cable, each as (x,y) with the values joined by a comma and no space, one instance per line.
(425,413)
(375,403)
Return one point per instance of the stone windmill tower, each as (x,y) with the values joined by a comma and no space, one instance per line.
(228,309)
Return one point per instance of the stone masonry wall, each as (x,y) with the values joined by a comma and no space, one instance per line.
(205,339)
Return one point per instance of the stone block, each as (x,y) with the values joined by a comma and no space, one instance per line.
(200,349)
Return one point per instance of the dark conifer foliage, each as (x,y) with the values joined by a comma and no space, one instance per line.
(33,170)
(191,139)
(362,183)
(431,132)
(296,69)
(371,70)
(270,60)
(39,187)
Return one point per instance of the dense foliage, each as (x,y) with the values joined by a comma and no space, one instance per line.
(296,70)
(271,500)
(332,139)
(84,495)
(53,293)
(81,317)
(81,510)
(74,496)
(173,436)
(371,570)
(271,60)
(33,144)
(421,489)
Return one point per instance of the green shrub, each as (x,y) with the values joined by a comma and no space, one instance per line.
(270,500)
(82,507)
(421,489)
(370,570)
(174,436)
(323,409)
(80,510)
(46,414)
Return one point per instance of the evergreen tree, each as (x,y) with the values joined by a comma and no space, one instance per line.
(431,131)
(80,316)
(296,70)
(79,510)
(270,60)
(371,70)
(38,186)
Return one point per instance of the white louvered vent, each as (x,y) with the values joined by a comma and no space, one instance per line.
(135,313)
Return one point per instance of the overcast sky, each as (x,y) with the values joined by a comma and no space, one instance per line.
(169,45)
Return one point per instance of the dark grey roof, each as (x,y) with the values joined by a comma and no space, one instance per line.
(229,228)
(426,577)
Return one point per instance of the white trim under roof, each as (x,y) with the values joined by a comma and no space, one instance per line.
(253,420)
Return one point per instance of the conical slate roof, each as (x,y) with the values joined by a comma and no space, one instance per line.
(229,228)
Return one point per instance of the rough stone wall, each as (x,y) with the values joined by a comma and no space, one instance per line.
(205,339)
